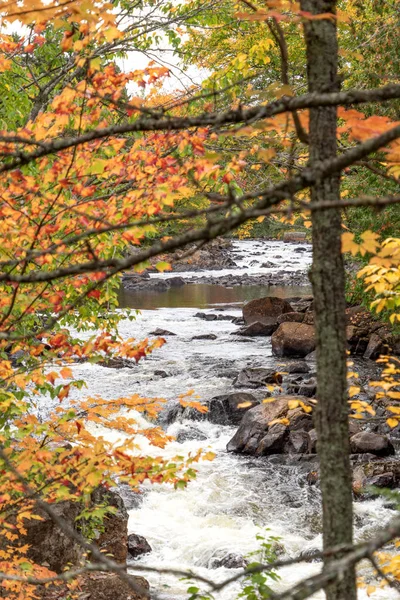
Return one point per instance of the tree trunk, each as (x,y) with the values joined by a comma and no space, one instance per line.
(328,280)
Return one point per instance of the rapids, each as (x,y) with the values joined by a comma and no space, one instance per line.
(233,498)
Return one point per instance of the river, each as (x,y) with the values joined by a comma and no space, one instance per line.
(233,498)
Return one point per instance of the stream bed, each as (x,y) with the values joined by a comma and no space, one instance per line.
(233,498)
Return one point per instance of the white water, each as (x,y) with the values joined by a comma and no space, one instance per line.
(233,498)
(250,255)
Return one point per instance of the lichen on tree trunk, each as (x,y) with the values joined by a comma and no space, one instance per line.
(328,280)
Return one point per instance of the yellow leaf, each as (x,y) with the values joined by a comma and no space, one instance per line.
(293,404)
(371,589)
(279,421)
(392,422)
(353,391)
(244,404)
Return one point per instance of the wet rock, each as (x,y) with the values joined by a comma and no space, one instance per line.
(265,310)
(138,545)
(230,561)
(298,442)
(291,317)
(373,443)
(274,441)
(313,440)
(176,281)
(257,377)
(256,329)
(268,265)
(255,424)
(117,362)
(311,555)
(206,316)
(293,339)
(163,332)
(227,409)
(298,366)
(161,373)
(205,336)
(312,357)
(302,387)
(190,433)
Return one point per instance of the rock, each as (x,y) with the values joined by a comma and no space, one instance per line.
(274,441)
(138,545)
(188,434)
(265,310)
(291,317)
(313,440)
(298,366)
(268,265)
(230,561)
(206,316)
(374,348)
(298,443)
(311,555)
(161,373)
(48,544)
(300,420)
(176,281)
(378,473)
(312,357)
(255,423)
(205,336)
(293,339)
(113,538)
(256,329)
(163,332)
(117,362)
(226,409)
(257,377)
(373,443)
(302,387)
(294,236)
(108,586)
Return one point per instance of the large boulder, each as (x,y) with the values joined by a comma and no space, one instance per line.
(293,339)
(265,310)
(254,377)
(257,423)
(48,544)
(371,443)
(229,409)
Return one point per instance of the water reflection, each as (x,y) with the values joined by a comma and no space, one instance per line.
(204,295)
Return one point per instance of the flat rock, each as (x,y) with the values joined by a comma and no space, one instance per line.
(257,329)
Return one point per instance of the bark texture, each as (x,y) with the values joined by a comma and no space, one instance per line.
(328,280)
